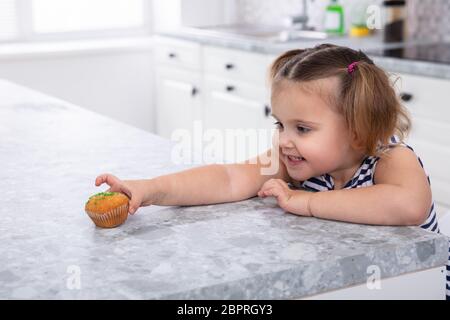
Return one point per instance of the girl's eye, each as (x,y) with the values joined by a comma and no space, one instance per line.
(278,125)
(303,129)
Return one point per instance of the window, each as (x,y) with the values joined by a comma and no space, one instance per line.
(82,15)
(43,19)
(8,19)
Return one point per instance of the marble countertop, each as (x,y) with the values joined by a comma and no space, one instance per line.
(51,151)
(422,68)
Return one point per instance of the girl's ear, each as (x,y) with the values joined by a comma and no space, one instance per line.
(356,143)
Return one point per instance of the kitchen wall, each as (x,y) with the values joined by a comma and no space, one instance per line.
(169,14)
(426,18)
(116,83)
(272,11)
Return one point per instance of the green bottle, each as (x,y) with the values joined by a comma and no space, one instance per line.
(334,18)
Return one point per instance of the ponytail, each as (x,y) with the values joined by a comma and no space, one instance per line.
(371,108)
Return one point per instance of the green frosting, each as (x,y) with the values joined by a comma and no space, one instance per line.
(101,196)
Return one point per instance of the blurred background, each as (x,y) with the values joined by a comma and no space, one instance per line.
(99,53)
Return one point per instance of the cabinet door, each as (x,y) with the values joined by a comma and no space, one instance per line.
(443,213)
(236,64)
(178,100)
(240,112)
(426,99)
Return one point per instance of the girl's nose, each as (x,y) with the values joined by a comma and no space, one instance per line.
(283,140)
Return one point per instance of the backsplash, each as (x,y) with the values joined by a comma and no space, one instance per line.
(426,18)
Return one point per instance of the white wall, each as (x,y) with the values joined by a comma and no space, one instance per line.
(116,83)
(170,14)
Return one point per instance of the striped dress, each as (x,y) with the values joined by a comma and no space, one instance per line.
(363,178)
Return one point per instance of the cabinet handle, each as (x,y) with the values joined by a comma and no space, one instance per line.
(406,96)
(194,91)
(172,55)
(267,110)
(230,88)
(229,66)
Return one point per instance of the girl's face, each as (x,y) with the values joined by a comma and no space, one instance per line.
(309,127)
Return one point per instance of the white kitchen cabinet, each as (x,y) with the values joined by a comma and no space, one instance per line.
(234,104)
(427,100)
(402,287)
(226,88)
(178,100)
(178,53)
(242,115)
(239,65)
(178,85)
(236,97)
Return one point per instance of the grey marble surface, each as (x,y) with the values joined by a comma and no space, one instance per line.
(51,151)
(422,68)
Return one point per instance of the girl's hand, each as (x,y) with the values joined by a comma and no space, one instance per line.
(130,188)
(294,201)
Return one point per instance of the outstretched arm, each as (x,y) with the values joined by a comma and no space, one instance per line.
(209,184)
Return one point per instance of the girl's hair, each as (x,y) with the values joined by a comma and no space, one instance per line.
(366,99)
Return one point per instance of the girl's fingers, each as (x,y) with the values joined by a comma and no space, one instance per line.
(120,188)
(274,192)
(114,188)
(280,183)
(272,187)
(268,192)
(132,209)
(116,185)
(264,188)
(134,205)
(273,183)
(264,191)
(126,191)
(100,180)
(106,178)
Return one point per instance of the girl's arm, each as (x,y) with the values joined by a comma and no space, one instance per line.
(215,183)
(401,195)
(209,184)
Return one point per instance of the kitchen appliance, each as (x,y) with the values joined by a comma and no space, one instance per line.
(438,52)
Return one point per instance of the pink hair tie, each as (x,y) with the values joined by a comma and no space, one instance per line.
(351,67)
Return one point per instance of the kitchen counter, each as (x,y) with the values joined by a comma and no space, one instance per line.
(51,152)
(367,44)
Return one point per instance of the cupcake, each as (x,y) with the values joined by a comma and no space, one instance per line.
(108,209)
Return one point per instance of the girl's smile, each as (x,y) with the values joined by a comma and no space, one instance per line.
(293,161)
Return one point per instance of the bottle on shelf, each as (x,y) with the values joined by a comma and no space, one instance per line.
(394,21)
(358,19)
(334,18)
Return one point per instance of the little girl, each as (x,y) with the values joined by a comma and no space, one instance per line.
(341,132)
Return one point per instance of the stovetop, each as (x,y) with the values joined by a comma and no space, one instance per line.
(435,52)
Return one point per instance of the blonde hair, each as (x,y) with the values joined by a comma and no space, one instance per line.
(366,99)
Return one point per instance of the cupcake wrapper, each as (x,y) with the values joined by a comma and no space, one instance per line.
(110,219)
